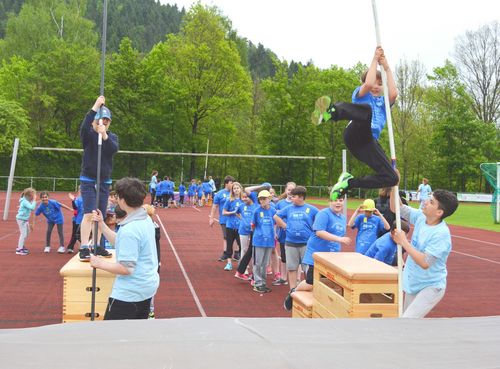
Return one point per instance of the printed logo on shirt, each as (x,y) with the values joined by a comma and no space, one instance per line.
(262,214)
(308,210)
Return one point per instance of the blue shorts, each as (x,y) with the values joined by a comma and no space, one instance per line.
(88,191)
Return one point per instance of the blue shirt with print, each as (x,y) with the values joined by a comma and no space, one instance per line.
(299,221)
(434,240)
(377,104)
(263,222)
(246,213)
(51,211)
(326,220)
(368,230)
(232,221)
(280,232)
(383,249)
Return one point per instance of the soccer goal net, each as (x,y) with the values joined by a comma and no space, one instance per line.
(491,172)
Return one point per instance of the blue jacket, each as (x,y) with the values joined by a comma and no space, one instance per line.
(89,139)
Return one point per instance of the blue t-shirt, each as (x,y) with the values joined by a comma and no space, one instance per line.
(207,187)
(326,220)
(434,240)
(152,184)
(199,191)
(79,210)
(263,222)
(299,221)
(280,232)
(368,230)
(377,104)
(425,191)
(383,249)
(246,212)
(232,221)
(51,211)
(182,190)
(192,189)
(220,199)
(135,241)
(161,188)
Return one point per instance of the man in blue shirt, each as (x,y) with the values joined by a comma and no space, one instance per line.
(425,190)
(368,117)
(136,266)
(424,275)
(298,220)
(218,204)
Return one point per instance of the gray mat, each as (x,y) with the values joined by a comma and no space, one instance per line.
(240,343)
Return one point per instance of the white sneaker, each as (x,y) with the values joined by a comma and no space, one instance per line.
(61,250)
(46,249)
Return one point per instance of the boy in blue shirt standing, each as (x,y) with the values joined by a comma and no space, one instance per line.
(368,117)
(368,225)
(218,204)
(51,209)
(424,274)
(329,234)
(384,249)
(262,240)
(95,123)
(136,266)
(297,219)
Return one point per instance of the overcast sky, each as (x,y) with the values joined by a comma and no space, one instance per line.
(342,32)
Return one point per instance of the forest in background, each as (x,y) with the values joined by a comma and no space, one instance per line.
(176,78)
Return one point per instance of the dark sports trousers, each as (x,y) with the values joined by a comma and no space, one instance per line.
(245,260)
(120,310)
(153,196)
(231,236)
(48,235)
(75,236)
(361,144)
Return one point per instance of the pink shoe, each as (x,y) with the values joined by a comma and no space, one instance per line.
(243,277)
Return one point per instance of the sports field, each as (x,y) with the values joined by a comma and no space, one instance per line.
(194,284)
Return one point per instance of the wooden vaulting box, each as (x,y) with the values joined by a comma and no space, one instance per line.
(351,285)
(77,292)
(302,304)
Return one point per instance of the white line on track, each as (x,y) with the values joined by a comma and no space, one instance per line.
(198,210)
(476,257)
(184,273)
(473,239)
(8,235)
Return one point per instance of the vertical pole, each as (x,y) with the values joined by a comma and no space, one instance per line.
(497,191)
(182,168)
(395,189)
(206,161)
(344,169)
(11,179)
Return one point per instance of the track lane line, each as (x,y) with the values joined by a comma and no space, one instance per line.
(475,240)
(476,257)
(183,270)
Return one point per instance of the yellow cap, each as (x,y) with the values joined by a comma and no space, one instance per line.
(264,193)
(368,205)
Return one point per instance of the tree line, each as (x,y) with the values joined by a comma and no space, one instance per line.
(181,78)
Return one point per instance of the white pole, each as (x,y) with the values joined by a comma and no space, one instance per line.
(206,161)
(344,169)
(182,169)
(497,215)
(395,189)
(11,179)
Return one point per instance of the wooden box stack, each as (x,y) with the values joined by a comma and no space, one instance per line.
(302,304)
(77,293)
(351,285)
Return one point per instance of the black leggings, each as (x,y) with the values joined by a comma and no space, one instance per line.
(245,260)
(231,236)
(361,144)
(75,236)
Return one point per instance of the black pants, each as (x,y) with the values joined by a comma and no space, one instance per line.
(231,236)
(245,259)
(361,144)
(75,236)
(119,310)
(153,195)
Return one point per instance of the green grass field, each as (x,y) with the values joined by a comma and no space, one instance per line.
(467,215)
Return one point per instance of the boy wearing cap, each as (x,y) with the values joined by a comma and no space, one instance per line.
(262,240)
(95,123)
(369,226)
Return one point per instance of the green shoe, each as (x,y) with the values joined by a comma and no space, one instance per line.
(323,110)
(341,187)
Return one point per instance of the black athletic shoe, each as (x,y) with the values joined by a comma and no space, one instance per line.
(288,303)
(236,256)
(84,254)
(101,251)
(223,257)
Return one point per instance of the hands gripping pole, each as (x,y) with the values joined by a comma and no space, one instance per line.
(395,189)
(99,152)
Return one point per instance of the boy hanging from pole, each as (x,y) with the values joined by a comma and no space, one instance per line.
(368,118)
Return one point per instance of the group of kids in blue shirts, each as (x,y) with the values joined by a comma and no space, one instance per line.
(250,217)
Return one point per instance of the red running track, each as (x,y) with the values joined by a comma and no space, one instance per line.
(194,284)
